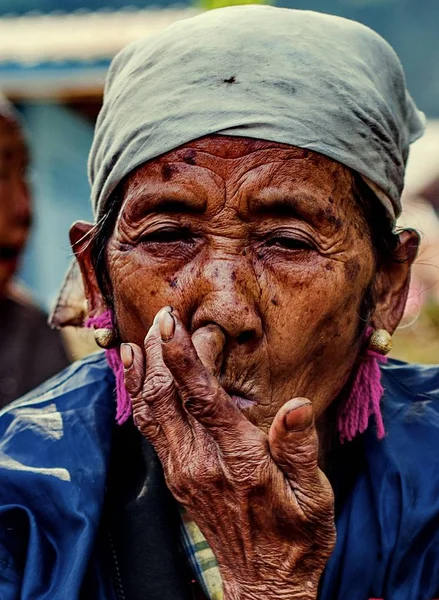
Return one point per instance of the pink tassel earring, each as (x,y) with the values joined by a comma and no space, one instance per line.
(367,391)
(106,338)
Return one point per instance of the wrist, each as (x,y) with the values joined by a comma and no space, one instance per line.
(272,591)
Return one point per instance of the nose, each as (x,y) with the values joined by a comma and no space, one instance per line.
(229,299)
(20,203)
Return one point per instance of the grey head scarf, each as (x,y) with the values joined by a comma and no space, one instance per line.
(302,78)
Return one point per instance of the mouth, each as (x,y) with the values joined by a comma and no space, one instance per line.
(9,253)
(241,398)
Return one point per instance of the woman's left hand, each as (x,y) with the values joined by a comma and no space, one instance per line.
(263,504)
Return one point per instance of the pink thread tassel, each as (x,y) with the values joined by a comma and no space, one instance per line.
(365,397)
(114,361)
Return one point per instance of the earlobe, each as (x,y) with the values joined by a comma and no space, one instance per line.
(80,240)
(394,282)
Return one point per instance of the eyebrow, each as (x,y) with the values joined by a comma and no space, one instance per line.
(162,198)
(282,202)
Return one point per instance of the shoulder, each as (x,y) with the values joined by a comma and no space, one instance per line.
(404,469)
(416,380)
(411,397)
(29,319)
(410,408)
(388,519)
(54,451)
(68,388)
(80,397)
(23,302)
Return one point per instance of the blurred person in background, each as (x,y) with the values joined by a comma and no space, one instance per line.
(30,352)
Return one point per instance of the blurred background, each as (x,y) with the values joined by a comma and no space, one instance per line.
(54,55)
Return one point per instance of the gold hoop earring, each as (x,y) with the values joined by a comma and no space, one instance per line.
(105,338)
(380,341)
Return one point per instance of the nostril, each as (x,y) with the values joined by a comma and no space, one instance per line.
(245,336)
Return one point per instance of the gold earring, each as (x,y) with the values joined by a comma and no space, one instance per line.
(105,338)
(380,341)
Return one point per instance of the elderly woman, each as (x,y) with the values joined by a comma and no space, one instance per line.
(245,279)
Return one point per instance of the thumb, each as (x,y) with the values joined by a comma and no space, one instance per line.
(293,442)
(209,343)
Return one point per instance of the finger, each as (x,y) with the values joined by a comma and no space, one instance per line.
(293,444)
(159,391)
(209,344)
(134,367)
(134,372)
(200,392)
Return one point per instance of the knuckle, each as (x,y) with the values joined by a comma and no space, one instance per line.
(200,399)
(158,385)
(149,428)
(197,468)
(145,422)
(132,383)
(150,341)
(195,385)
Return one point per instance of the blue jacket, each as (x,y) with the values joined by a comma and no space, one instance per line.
(54,455)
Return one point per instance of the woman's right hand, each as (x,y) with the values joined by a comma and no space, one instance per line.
(260,500)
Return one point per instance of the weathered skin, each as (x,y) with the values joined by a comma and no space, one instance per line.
(15,207)
(262,252)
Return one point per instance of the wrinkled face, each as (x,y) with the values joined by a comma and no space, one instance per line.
(263,239)
(15,208)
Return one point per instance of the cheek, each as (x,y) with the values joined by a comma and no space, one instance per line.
(304,298)
(141,289)
(311,323)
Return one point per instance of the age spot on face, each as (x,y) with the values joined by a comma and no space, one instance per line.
(173,282)
(225,282)
(168,171)
(352,269)
(190,157)
(332,219)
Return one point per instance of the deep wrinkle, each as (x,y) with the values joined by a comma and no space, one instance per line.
(231,269)
(232,235)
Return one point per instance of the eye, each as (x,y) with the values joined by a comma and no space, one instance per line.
(169,236)
(289,243)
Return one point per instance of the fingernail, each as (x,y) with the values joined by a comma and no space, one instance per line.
(126,355)
(167,326)
(158,316)
(299,416)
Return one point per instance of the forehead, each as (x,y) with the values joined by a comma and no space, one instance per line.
(226,154)
(242,168)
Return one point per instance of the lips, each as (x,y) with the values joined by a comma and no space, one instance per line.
(241,398)
(9,253)
(241,402)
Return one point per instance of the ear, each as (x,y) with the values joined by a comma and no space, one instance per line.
(393,282)
(81,245)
